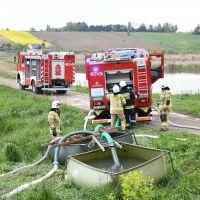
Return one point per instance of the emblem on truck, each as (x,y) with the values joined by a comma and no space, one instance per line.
(58,70)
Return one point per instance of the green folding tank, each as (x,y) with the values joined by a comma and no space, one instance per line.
(94,168)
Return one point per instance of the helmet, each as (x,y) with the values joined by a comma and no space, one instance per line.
(55,104)
(116,89)
(163,86)
(122,83)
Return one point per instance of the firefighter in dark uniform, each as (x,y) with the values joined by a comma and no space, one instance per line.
(54,120)
(129,110)
(165,106)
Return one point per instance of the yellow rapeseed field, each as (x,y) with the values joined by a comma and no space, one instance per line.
(21,37)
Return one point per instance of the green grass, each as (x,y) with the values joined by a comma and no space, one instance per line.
(7,74)
(175,42)
(81,89)
(23,119)
(188,104)
(7,67)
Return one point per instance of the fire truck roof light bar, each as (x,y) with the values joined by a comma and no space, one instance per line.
(61,53)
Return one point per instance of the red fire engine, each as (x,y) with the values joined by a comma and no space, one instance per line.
(136,67)
(54,71)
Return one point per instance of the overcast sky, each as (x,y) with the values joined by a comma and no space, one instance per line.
(24,14)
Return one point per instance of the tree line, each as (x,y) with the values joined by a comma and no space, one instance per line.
(82,26)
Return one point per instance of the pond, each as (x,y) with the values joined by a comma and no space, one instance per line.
(179,82)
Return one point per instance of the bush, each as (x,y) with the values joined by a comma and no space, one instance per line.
(135,186)
(12,153)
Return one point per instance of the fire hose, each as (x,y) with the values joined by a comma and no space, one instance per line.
(177,125)
(27,166)
(51,172)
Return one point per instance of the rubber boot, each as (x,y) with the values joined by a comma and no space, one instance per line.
(123,125)
(164,126)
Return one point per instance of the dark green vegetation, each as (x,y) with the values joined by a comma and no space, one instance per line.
(81,89)
(186,103)
(7,67)
(23,120)
(83,27)
(174,42)
(180,68)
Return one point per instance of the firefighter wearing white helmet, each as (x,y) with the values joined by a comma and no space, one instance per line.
(129,109)
(165,106)
(54,120)
(117,101)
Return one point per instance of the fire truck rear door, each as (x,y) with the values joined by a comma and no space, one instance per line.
(157,66)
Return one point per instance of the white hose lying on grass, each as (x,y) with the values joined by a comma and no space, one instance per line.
(88,117)
(178,125)
(183,126)
(27,166)
(31,184)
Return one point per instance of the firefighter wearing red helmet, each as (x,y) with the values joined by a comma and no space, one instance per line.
(54,120)
(117,101)
(165,106)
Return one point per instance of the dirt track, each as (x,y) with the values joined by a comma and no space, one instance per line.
(81,101)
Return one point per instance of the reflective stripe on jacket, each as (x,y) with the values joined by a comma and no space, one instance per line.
(116,103)
(54,120)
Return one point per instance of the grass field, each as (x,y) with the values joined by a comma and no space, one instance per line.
(92,41)
(23,119)
(177,42)
(188,104)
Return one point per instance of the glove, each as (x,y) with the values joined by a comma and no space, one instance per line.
(54,131)
(158,103)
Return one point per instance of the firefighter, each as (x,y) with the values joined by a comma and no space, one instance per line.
(129,110)
(165,106)
(54,120)
(117,101)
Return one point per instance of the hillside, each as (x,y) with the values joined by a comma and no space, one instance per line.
(179,42)
(91,41)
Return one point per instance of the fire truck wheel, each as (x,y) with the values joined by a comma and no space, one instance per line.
(21,86)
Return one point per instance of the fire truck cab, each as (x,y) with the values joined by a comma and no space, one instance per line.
(138,68)
(54,71)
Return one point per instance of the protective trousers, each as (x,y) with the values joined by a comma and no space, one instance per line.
(130,115)
(164,123)
(121,117)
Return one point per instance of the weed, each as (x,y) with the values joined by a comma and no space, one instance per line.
(12,153)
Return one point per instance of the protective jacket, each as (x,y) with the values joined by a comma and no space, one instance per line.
(55,122)
(117,101)
(165,106)
(165,103)
(128,94)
